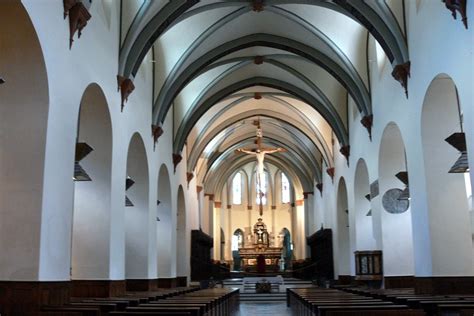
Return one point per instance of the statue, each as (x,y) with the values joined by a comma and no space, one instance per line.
(260,153)
(261,234)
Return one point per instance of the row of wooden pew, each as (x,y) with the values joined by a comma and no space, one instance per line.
(436,305)
(175,302)
(333,302)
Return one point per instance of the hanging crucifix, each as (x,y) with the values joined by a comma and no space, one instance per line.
(260,153)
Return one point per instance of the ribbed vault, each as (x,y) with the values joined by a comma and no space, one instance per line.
(297,66)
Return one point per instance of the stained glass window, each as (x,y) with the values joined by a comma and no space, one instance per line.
(237,189)
(285,189)
(264,189)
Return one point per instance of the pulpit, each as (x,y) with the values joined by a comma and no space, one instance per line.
(260,257)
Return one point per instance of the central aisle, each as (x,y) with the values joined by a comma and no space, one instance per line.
(274,309)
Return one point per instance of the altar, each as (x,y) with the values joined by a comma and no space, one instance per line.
(260,257)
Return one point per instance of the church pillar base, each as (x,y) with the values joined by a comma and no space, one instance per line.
(26,298)
(344,280)
(172,282)
(396,282)
(182,281)
(138,285)
(444,285)
(97,288)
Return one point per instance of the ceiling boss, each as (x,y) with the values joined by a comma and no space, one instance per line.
(260,153)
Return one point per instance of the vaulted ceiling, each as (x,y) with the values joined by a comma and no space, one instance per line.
(296,65)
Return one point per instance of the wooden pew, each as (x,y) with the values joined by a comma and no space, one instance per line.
(366,310)
(192,303)
(431,307)
(69,310)
(192,310)
(120,304)
(455,309)
(323,302)
(167,313)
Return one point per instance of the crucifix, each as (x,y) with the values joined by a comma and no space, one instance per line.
(260,153)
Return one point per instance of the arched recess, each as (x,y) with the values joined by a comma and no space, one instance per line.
(24,98)
(447,193)
(363,209)
(238,239)
(164,224)
(287,245)
(222,245)
(397,233)
(182,260)
(137,216)
(343,237)
(92,199)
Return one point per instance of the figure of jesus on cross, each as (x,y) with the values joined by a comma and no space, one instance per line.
(260,153)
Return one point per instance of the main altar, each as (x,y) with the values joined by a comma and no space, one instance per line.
(260,257)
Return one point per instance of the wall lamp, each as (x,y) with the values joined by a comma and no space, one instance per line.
(128,184)
(458,141)
(403,177)
(82,150)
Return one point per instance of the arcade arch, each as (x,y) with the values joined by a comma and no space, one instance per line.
(92,199)
(164,223)
(447,192)
(137,216)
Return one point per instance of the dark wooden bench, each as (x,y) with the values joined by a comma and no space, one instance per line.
(322,302)
(121,304)
(455,309)
(167,313)
(70,310)
(364,310)
(193,311)
(103,307)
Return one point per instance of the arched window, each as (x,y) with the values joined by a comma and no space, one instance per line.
(237,189)
(237,240)
(264,189)
(285,189)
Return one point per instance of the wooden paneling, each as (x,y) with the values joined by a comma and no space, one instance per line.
(320,244)
(182,281)
(97,288)
(444,285)
(26,298)
(167,282)
(201,264)
(395,282)
(136,285)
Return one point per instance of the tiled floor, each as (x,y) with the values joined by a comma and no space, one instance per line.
(274,309)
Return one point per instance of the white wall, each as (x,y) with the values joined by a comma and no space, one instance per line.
(45,253)
(426,35)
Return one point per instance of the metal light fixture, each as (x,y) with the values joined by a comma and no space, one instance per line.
(458,141)
(128,184)
(2,81)
(461,165)
(403,177)
(80,174)
(369,213)
(128,203)
(82,150)
(405,195)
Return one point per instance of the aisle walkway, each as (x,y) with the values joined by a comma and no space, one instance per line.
(274,309)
